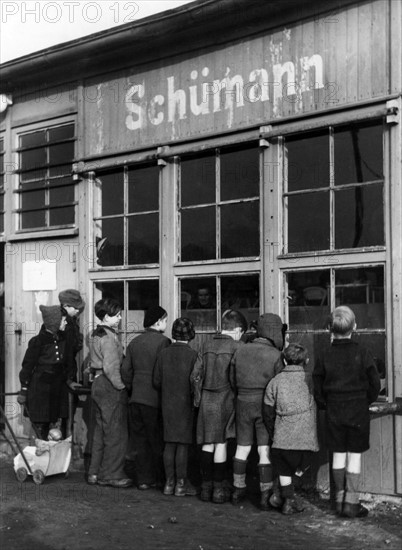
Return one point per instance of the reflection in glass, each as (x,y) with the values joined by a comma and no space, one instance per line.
(198,180)
(308,222)
(241,292)
(359,217)
(240,177)
(143,239)
(198,234)
(308,161)
(113,248)
(198,302)
(309,299)
(112,193)
(358,153)
(240,230)
(141,296)
(143,189)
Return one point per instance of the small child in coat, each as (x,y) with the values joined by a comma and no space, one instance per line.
(346,381)
(290,416)
(171,375)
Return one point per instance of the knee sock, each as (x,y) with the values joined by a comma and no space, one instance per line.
(239,473)
(352,488)
(265,472)
(181,461)
(207,466)
(288,491)
(219,471)
(339,482)
(169,454)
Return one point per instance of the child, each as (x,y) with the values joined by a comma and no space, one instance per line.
(109,397)
(73,305)
(346,381)
(215,423)
(44,373)
(254,366)
(290,417)
(172,376)
(144,404)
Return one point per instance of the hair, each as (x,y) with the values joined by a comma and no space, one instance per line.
(342,320)
(232,319)
(107,306)
(295,354)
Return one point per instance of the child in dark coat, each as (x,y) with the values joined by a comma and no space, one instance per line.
(346,381)
(290,417)
(172,376)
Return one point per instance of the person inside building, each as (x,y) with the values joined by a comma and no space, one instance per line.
(145,421)
(346,381)
(109,397)
(44,372)
(255,364)
(172,377)
(204,299)
(216,417)
(290,416)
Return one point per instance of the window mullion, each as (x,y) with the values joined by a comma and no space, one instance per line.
(125,220)
(217,206)
(331,190)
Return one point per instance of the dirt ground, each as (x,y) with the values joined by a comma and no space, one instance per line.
(66,513)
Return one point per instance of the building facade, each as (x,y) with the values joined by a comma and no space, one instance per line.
(227,154)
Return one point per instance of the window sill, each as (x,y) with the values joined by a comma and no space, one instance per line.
(42,234)
(337,252)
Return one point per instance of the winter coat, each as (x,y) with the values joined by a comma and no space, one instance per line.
(138,366)
(172,377)
(106,353)
(290,413)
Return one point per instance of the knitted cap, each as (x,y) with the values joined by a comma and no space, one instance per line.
(153,314)
(183,329)
(71,297)
(51,316)
(269,326)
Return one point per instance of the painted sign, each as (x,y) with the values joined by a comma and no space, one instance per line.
(313,66)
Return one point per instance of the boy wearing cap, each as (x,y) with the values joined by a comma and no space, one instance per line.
(254,365)
(73,305)
(144,403)
(44,373)
(172,377)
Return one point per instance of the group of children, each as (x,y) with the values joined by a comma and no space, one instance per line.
(160,393)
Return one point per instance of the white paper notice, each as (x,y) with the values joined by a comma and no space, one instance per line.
(39,275)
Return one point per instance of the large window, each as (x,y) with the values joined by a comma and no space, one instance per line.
(46,187)
(334,188)
(219,205)
(1,185)
(127,224)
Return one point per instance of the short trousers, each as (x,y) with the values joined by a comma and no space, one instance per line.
(348,426)
(287,461)
(248,418)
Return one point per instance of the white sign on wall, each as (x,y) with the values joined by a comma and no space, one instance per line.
(39,276)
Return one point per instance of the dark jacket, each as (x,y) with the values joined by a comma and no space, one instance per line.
(345,371)
(138,366)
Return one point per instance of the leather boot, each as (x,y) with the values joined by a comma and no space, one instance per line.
(220,494)
(206,491)
(169,486)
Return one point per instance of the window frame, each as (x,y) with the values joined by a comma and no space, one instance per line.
(2,186)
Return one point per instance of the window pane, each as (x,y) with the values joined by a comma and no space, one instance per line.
(141,296)
(143,189)
(35,199)
(61,132)
(33,219)
(198,234)
(143,239)
(112,252)
(60,171)
(359,217)
(309,299)
(198,180)
(308,222)
(32,176)
(61,195)
(198,299)
(241,292)
(32,159)
(62,216)
(58,154)
(376,343)
(240,234)
(358,154)
(240,176)
(34,139)
(362,289)
(308,161)
(112,193)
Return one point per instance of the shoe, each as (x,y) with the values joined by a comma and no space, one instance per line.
(220,495)
(276,501)
(184,488)
(264,500)
(292,506)
(118,483)
(169,486)
(354,510)
(92,479)
(339,508)
(146,486)
(206,491)
(239,494)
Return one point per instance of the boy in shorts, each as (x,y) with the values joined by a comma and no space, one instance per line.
(346,381)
